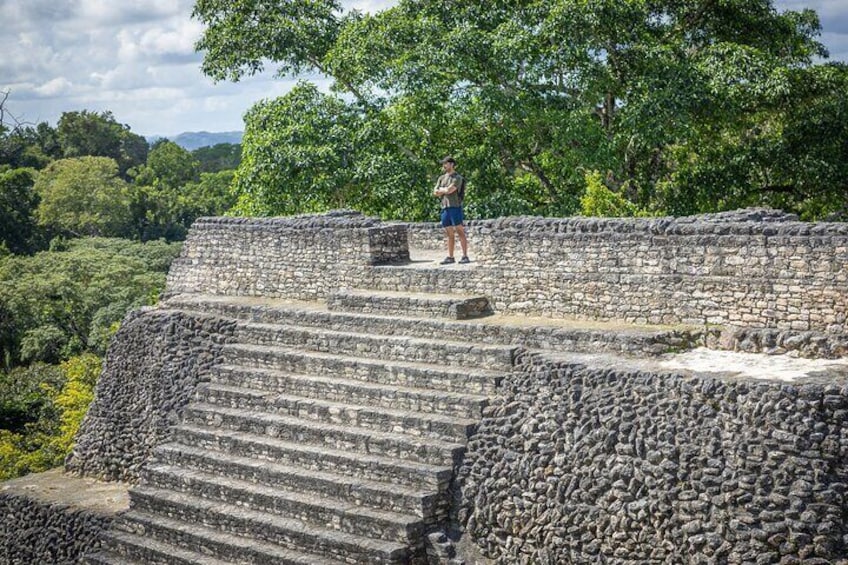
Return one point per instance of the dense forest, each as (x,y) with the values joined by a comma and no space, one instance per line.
(91,217)
(551,107)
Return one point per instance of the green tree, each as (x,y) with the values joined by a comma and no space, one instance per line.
(83,197)
(297,150)
(160,192)
(41,413)
(22,395)
(212,195)
(29,418)
(77,392)
(18,203)
(530,95)
(68,300)
(99,135)
(219,157)
(599,200)
(27,146)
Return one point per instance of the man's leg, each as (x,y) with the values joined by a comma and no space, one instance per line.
(463,241)
(450,231)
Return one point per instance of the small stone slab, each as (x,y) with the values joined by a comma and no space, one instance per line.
(452,306)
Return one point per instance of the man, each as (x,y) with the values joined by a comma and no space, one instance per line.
(448,189)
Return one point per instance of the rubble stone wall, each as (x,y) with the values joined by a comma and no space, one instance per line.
(34,532)
(751,268)
(298,257)
(151,370)
(579,464)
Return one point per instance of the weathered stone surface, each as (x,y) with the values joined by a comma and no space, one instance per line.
(32,531)
(336,434)
(152,368)
(574,464)
(297,257)
(749,268)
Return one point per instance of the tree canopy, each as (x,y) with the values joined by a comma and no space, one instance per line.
(18,203)
(87,133)
(68,300)
(681,106)
(83,196)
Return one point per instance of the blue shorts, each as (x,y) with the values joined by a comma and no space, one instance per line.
(451,217)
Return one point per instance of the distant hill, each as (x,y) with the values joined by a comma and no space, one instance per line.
(192,140)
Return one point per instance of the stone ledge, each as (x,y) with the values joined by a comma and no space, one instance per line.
(452,306)
(526,331)
(52,517)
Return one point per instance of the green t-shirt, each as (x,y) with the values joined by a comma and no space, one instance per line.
(450,200)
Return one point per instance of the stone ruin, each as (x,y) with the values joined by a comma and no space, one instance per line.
(318,390)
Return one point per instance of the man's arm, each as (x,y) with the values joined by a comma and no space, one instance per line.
(447,190)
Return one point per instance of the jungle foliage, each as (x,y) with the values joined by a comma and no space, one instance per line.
(58,310)
(89,213)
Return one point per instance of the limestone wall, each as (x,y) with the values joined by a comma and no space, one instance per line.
(749,268)
(32,531)
(580,464)
(152,367)
(298,257)
(754,268)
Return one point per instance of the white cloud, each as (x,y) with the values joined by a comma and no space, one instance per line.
(136,59)
(54,87)
(179,40)
(110,12)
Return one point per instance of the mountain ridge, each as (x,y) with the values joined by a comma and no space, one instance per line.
(191,140)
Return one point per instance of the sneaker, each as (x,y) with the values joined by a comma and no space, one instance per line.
(447,261)
(465,259)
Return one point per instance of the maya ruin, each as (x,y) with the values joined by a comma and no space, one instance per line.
(317,390)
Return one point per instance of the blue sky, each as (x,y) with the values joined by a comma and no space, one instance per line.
(136,58)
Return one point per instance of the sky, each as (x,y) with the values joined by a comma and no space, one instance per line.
(136,59)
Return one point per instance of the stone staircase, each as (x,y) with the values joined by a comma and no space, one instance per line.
(325,436)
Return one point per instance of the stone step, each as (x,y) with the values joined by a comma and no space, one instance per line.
(393,373)
(448,414)
(319,458)
(127,548)
(562,335)
(289,428)
(289,533)
(389,347)
(424,502)
(137,531)
(452,306)
(104,557)
(308,507)
(406,420)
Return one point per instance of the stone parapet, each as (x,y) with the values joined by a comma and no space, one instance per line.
(297,257)
(751,268)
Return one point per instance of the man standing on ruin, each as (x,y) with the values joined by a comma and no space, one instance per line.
(450,188)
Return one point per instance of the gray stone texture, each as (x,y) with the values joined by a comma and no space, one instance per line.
(298,257)
(152,368)
(753,268)
(575,464)
(32,531)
